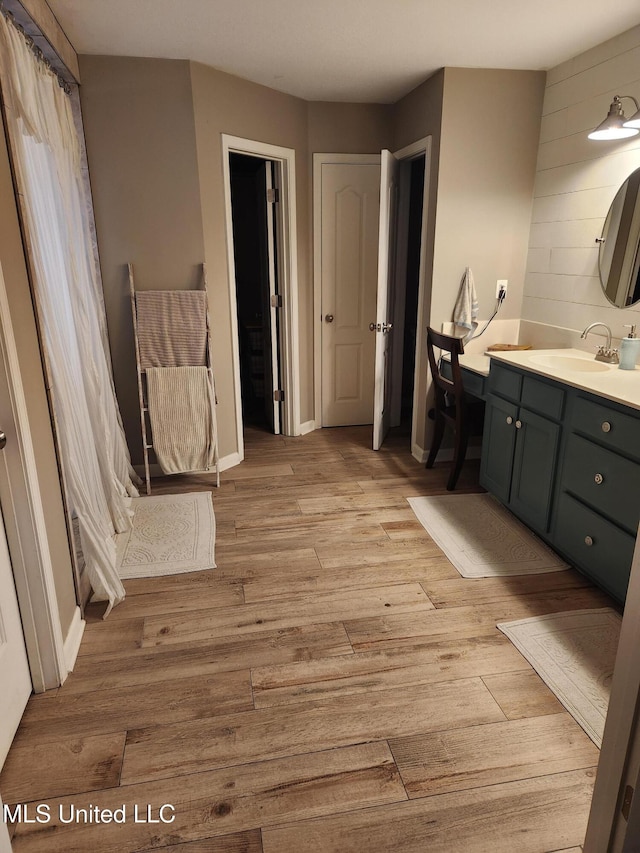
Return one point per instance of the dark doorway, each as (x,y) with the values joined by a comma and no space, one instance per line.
(255,257)
(414,241)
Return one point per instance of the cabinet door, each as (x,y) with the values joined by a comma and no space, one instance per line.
(498,444)
(534,468)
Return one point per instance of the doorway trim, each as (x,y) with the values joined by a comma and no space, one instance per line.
(409,152)
(50,658)
(319,160)
(285,157)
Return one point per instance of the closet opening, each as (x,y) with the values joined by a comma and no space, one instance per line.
(409,248)
(256,243)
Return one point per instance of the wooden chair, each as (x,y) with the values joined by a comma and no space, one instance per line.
(450,402)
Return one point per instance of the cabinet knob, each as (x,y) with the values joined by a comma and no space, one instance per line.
(328,318)
(606,426)
(588,541)
(509,420)
(518,424)
(598,479)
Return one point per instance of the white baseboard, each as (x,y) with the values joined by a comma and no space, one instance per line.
(307,427)
(230,461)
(5,840)
(156,471)
(419,453)
(73,639)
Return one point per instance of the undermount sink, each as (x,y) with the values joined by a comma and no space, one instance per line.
(570,362)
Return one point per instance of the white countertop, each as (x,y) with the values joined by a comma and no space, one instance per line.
(477,362)
(605,380)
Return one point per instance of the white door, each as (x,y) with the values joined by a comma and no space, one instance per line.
(349,252)
(14,668)
(389,178)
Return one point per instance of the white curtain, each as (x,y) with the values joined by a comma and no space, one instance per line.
(48,163)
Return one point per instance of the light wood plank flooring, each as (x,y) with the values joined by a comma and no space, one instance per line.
(334,686)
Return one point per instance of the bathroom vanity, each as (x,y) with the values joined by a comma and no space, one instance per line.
(561,449)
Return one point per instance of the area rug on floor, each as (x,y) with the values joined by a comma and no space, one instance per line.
(171,534)
(574,654)
(482,538)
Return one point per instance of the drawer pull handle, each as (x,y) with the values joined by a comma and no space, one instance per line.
(588,541)
(518,424)
(509,420)
(598,479)
(606,426)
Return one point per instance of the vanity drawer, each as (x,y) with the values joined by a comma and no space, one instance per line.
(504,382)
(606,481)
(607,426)
(474,383)
(596,545)
(542,397)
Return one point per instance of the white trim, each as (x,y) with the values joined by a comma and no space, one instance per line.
(230,461)
(74,638)
(5,838)
(419,453)
(320,160)
(226,462)
(285,157)
(307,427)
(26,528)
(619,759)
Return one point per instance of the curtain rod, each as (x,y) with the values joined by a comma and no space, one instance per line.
(33,47)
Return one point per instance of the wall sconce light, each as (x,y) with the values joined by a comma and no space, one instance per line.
(617,125)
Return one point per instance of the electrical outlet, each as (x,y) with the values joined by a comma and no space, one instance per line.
(501,285)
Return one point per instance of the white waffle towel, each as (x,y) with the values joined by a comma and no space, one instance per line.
(182,415)
(465,312)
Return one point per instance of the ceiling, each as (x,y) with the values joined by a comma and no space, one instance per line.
(345,50)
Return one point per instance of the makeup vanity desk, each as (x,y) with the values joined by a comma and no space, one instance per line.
(475,369)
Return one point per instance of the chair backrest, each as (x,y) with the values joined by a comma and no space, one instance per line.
(455,347)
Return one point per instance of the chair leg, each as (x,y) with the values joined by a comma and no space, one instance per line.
(459,453)
(436,441)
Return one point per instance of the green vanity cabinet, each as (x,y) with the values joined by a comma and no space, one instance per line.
(520,443)
(598,509)
(567,463)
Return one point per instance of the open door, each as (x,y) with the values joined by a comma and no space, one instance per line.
(389,178)
(275,301)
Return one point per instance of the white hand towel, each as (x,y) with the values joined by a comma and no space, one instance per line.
(465,312)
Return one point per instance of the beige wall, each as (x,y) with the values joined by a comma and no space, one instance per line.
(416,116)
(576,181)
(349,128)
(23,321)
(490,127)
(141,148)
(226,104)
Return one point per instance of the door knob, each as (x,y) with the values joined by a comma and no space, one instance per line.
(372,327)
(3,440)
(328,318)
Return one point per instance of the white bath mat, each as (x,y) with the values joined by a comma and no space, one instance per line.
(574,654)
(171,534)
(482,538)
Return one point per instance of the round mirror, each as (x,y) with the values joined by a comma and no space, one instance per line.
(619,257)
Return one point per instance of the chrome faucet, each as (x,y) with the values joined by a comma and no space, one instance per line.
(603,353)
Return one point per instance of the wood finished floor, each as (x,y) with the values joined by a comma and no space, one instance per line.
(334,686)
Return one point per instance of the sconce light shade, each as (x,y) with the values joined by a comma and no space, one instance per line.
(616,125)
(634,121)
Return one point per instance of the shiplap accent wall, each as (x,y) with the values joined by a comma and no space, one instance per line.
(576,181)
